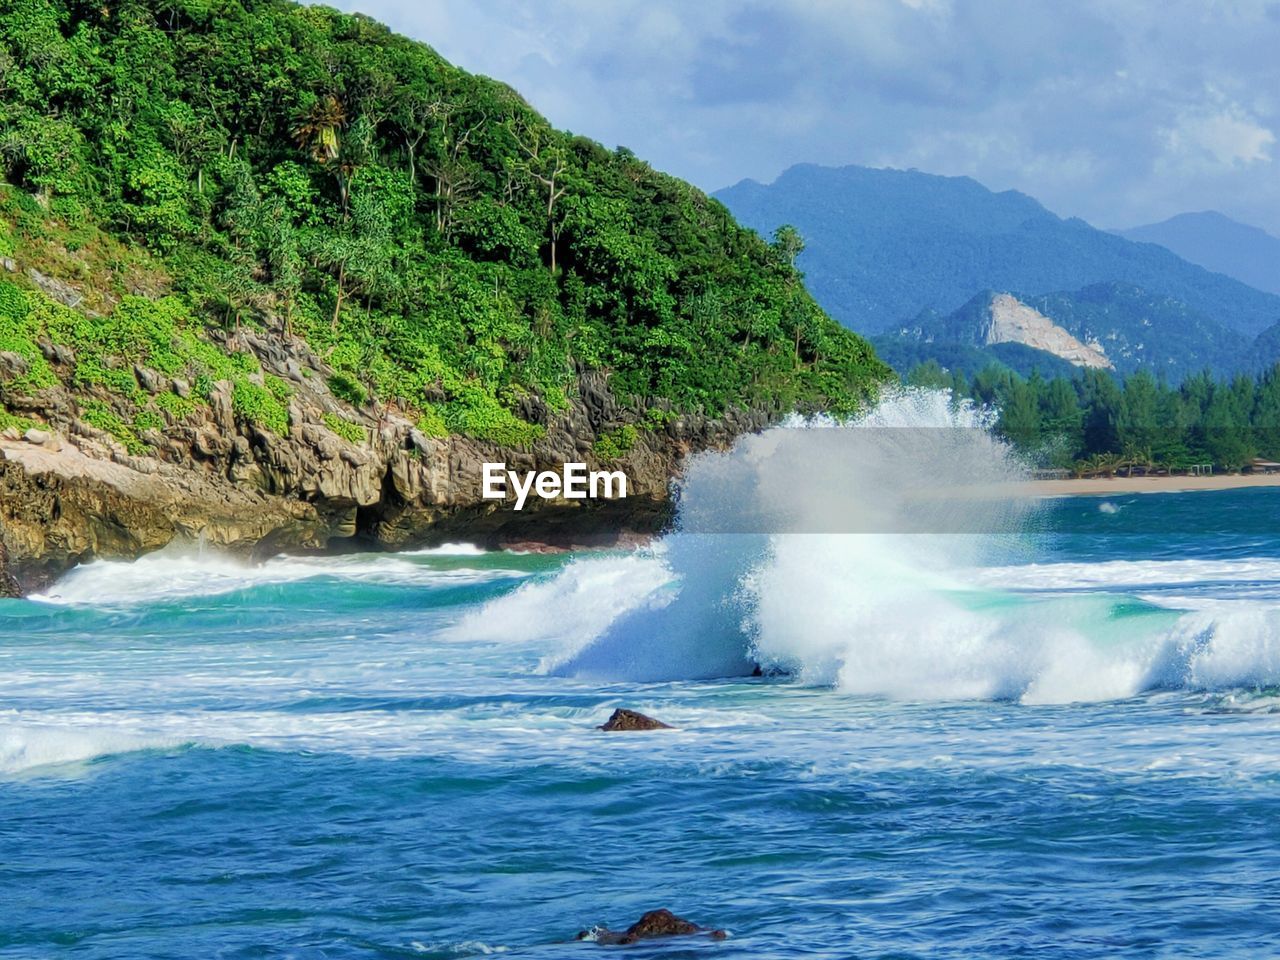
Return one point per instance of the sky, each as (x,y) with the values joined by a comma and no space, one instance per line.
(1122,112)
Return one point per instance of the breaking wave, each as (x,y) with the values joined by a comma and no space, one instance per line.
(880,558)
(25,747)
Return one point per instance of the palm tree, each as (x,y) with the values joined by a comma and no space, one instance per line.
(317,130)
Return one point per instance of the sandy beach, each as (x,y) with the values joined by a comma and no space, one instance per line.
(1103,486)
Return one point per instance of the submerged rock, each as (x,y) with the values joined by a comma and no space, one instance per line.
(623,720)
(653,925)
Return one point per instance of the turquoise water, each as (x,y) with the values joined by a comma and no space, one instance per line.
(1070,748)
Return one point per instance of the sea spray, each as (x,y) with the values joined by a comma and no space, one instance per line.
(898,498)
(867,556)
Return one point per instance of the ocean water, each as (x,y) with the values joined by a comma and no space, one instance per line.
(1059,741)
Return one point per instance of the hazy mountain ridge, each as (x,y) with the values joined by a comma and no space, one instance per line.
(885,245)
(1218,243)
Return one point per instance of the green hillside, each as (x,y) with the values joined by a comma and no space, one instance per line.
(180,164)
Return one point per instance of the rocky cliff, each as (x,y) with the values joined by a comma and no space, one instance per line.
(70,492)
(1012,321)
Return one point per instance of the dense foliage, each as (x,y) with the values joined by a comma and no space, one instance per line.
(1098,423)
(424,229)
(886,244)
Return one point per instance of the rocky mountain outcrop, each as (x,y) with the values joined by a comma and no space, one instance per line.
(1012,321)
(69,492)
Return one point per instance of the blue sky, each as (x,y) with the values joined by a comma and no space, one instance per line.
(1118,111)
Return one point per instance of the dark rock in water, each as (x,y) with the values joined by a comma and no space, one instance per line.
(631,720)
(651,926)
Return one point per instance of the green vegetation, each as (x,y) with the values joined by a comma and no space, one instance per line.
(8,420)
(259,406)
(1097,423)
(351,432)
(18,331)
(616,443)
(179,408)
(159,334)
(265,163)
(96,413)
(431,422)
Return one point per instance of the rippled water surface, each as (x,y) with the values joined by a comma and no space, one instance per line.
(1071,750)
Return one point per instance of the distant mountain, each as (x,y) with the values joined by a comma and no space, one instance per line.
(1218,243)
(1111,326)
(885,245)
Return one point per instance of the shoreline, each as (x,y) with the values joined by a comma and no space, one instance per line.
(1102,486)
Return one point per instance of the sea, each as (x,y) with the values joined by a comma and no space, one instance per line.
(910,718)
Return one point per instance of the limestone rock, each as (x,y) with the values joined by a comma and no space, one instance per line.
(12,365)
(149,380)
(59,290)
(8,585)
(1012,321)
(209,474)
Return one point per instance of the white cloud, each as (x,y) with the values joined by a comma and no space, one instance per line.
(1227,135)
(1118,112)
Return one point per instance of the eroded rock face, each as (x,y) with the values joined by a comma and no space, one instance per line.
(624,720)
(1012,321)
(8,585)
(653,925)
(210,477)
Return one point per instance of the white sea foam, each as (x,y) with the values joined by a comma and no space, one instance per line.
(177,574)
(448,550)
(582,600)
(1127,575)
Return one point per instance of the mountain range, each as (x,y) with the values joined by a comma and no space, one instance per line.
(919,260)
